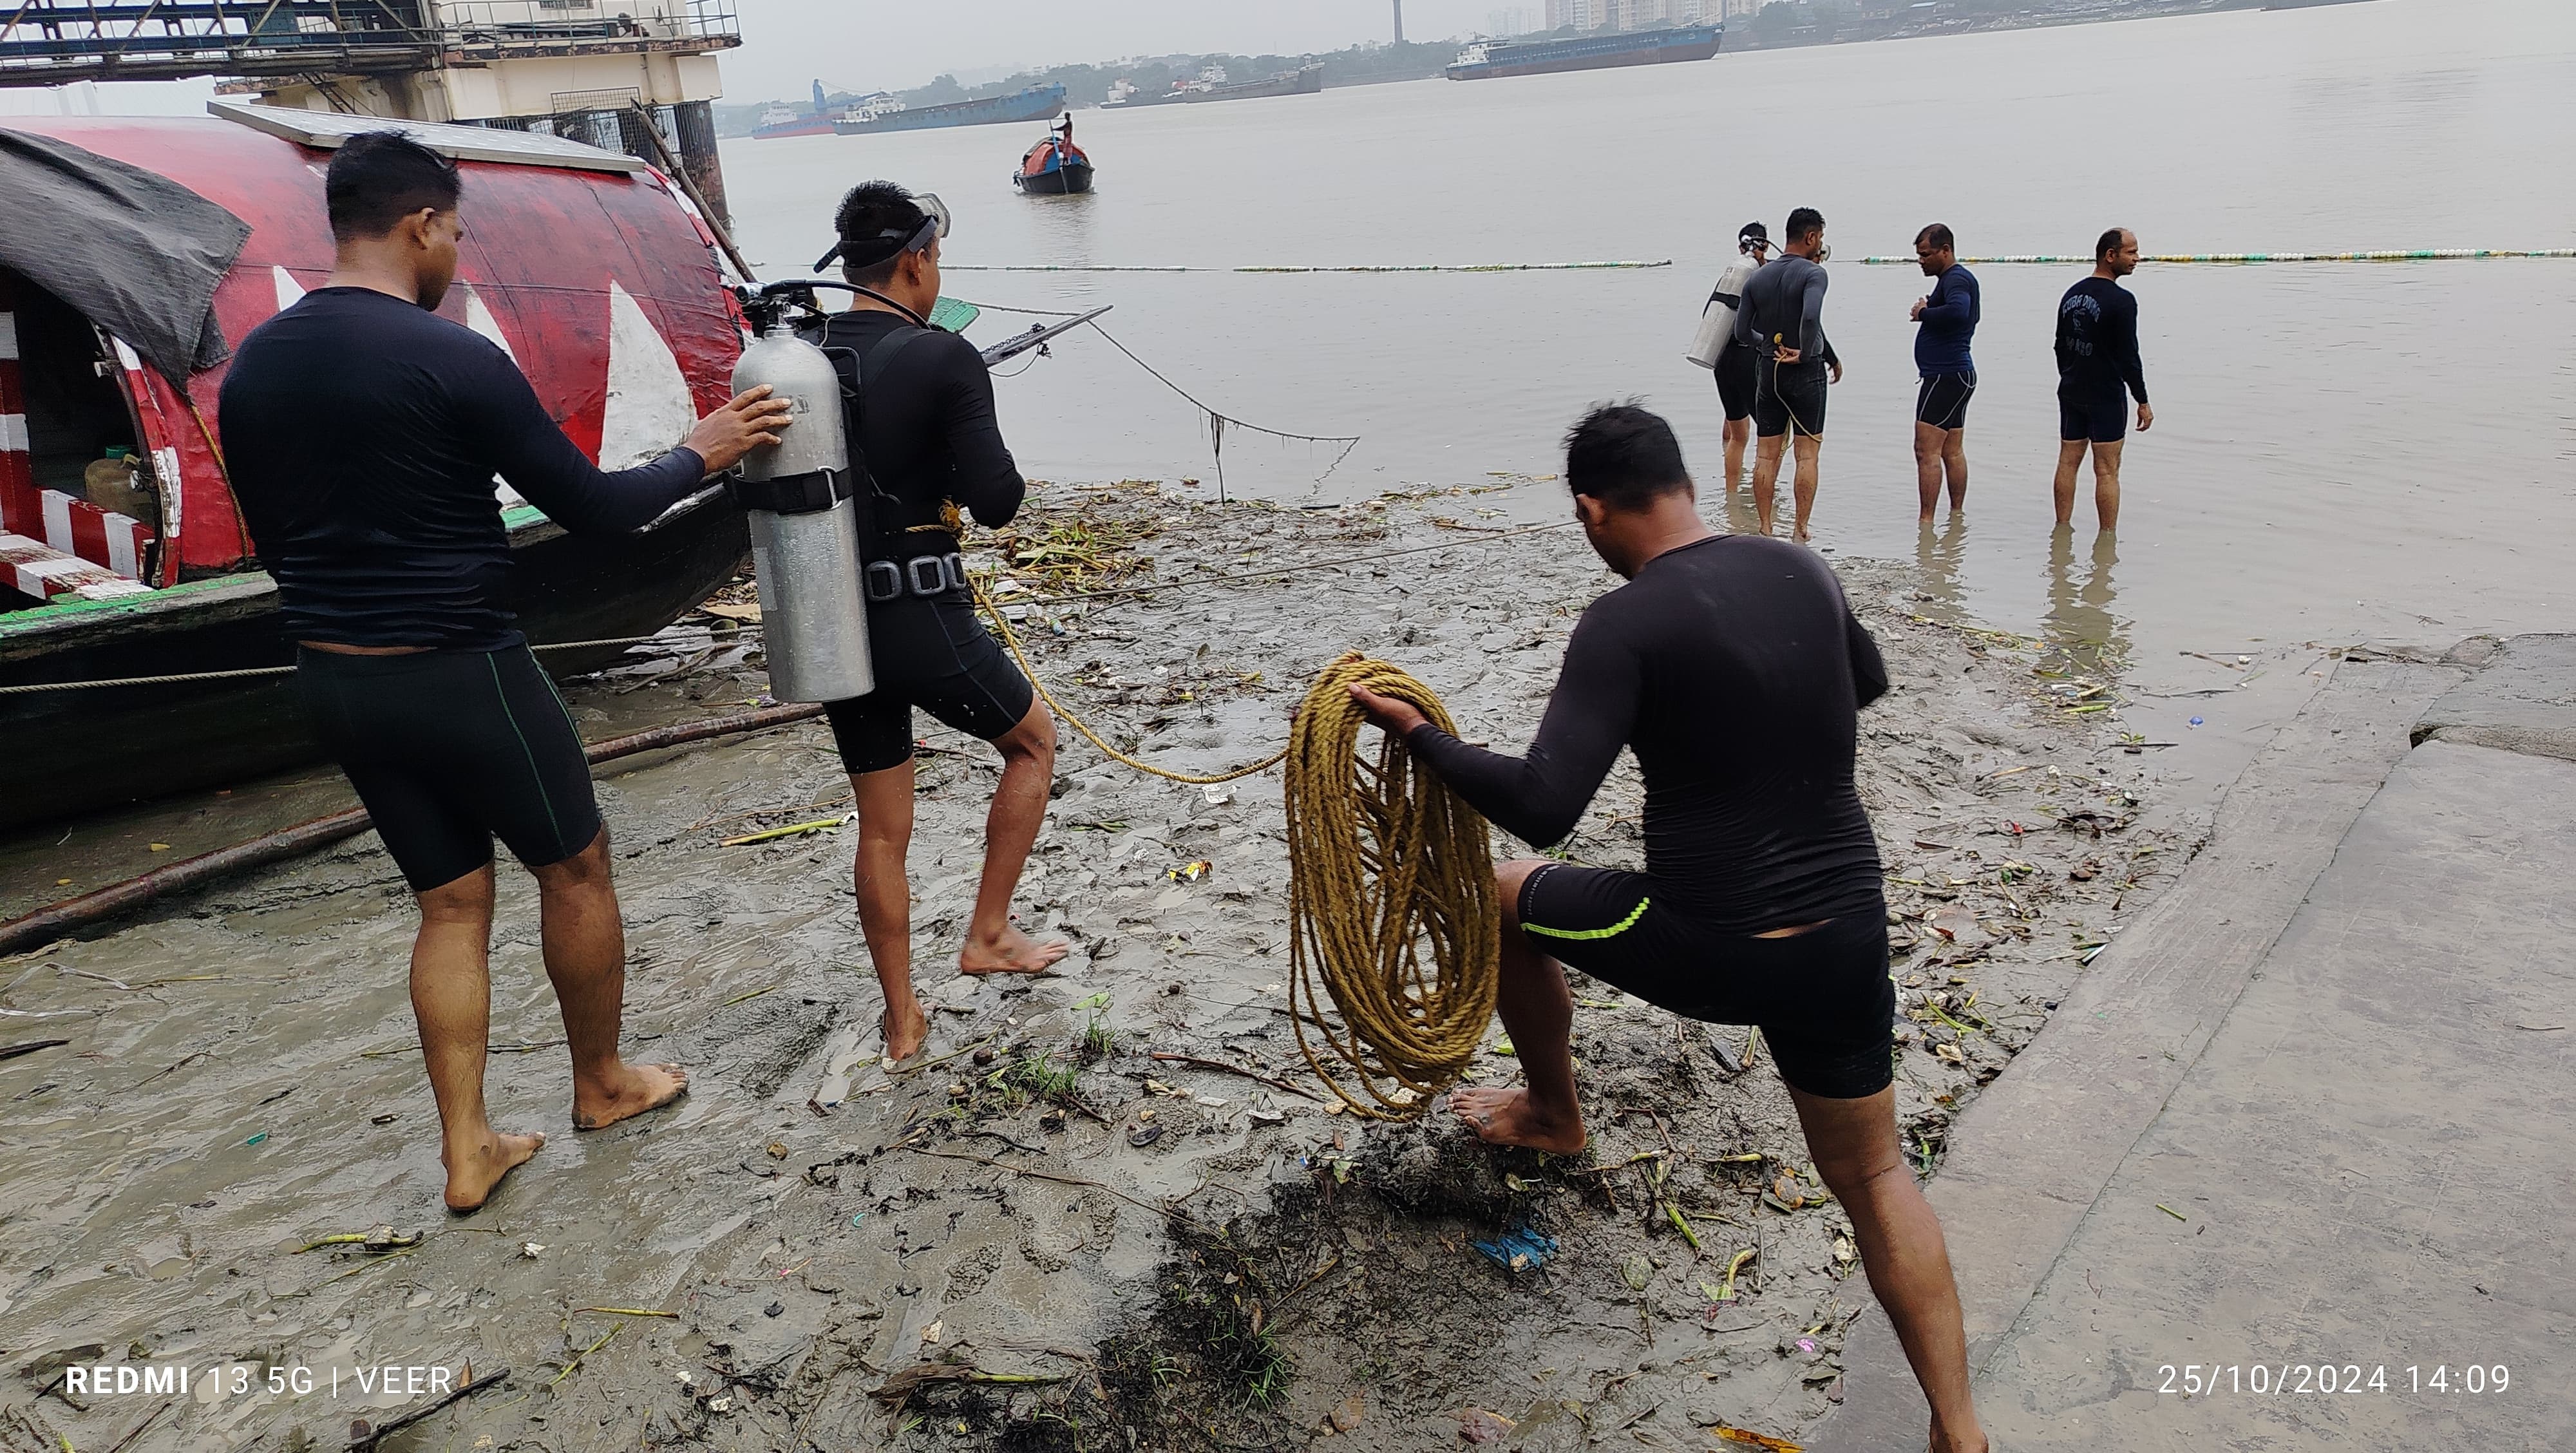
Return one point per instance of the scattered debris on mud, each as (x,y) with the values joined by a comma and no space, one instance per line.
(1112,1209)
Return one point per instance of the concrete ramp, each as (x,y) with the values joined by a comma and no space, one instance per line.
(2316,1112)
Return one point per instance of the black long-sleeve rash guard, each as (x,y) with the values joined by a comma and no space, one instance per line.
(927,426)
(362,435)
(1736,670)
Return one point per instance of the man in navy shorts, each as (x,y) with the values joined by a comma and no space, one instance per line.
(1947,325)
(2098,370)
(1734,669)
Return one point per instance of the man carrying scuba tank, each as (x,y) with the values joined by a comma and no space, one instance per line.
(1734,363)
(923,436)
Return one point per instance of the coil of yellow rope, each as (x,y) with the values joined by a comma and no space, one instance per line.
(1391,906)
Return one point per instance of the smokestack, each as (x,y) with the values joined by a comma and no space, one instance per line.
(1399,22)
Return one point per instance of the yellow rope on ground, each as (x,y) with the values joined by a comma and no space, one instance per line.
(1011,639)
(1391,908)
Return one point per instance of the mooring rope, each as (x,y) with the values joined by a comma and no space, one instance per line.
(1218,421)
(1385,865)
(2421,254)
(254,671)
(1391,907)
(1011,638)
(1611,266)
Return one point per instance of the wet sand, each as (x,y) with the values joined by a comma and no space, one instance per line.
(980,1255)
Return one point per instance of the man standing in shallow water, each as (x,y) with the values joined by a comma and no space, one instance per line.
(1736,671)
(2098,369)
(1946,325)
(1783,320)
(363,432)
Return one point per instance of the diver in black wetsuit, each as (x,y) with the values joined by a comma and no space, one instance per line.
(362,432)
(1734,669)
(2098,371)
(922,421)
(1783,321)
(1738,374)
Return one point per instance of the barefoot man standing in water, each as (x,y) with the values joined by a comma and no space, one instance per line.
(363,432)
(923,421)
(1733,667)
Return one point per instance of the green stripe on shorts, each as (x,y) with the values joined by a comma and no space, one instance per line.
(1613,931)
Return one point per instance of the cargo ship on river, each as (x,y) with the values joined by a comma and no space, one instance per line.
(1037,103)
(1212,85)
(1488,59)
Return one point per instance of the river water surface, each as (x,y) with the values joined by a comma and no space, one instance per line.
(2343,452)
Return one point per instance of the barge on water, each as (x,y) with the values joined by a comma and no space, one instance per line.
(1212,85)
(1488,59)
(198,231)
(1037,103)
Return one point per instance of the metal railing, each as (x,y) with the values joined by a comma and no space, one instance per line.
(139,39)
(485,21)
(50,42)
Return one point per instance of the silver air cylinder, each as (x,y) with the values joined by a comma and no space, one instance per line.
(805,528)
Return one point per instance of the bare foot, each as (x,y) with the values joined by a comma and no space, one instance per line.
(1013,953)
(1504,1117)
(1799,536)
(473,1175)
(906,1028)
(629,1092)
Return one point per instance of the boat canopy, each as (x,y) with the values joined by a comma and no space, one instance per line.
(171,236)
(138,254)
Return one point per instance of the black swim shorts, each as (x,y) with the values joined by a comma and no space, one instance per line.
(1736,381)
(1790,399)
(2099,418)
(1942,401)
(1823,998)
(934,654)
(449,749)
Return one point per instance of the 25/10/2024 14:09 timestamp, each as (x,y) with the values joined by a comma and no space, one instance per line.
(2298,1379)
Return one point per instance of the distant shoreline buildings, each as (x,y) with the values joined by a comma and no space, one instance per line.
(1640,14)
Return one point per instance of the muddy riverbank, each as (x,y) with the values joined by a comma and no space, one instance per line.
(1054,1236)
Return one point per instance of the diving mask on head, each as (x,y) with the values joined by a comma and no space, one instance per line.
(936,221)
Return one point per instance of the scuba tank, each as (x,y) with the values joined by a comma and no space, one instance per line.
(804,518)
(1717,320)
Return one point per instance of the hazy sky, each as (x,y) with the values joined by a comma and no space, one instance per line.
(893,44)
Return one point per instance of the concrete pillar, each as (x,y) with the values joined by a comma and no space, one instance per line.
(696,123)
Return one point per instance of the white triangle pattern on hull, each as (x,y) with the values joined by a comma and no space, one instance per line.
(478,316)
(649,407)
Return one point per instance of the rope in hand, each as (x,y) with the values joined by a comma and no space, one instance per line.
(1391,903)
(1391,907)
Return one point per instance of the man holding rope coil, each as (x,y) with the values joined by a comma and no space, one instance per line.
(1734,668)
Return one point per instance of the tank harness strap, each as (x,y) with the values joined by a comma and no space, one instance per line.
(866,370)
(924,577)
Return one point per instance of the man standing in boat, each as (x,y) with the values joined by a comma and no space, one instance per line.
(922,428)
(363,432)
(1783,320)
